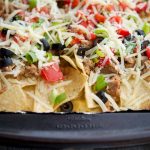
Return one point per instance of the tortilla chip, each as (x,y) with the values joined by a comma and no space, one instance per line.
(136,95)
(25,82)
(79,62)
(73,89)
(43,105)
(80,105)
(90,102)
(14,99)
(69,60)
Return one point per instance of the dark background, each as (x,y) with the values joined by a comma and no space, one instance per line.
(107,131)
(141,147)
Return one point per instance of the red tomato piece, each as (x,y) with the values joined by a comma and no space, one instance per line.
(90,9)
(34,20)
(123,32)
(148,52)
(75,41)
(109,7)
(84,23)
(18,38)
(75,3)
(52,73)
(2,37)
(93,36)
(123,5)
(100,18)
(91,23)
(44,9)
(141,6)
(116,19)
(101,62)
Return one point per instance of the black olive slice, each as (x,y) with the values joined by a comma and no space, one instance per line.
(98,40)
(140,32)
(46,45)
(101,95)
(67,107)
(145,44)
(128,38)
(58,46)
(6,53)
(81,51)
(5,62)
(4,31)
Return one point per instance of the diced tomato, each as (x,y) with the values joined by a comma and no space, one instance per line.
(148,52)
(123,32)
(75,41)
(101,62)
(92,36)
(67,2)
(44,9)
(18,38)
(141,6)
(2,37)
(109,7)
(90,9)
(123,5)
(84,2)
(116,19)
(84,23)
(52,73)
(74,3)
(91,23)
(34,20)
(100,18)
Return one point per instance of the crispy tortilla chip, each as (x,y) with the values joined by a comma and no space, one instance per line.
(42,105)
(135,95)
(89,100)
(23,83)
(79,62)
(69,60)
(76,86)
(14,99)
(80,105)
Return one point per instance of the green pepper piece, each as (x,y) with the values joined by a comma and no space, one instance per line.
(100,83)
(31,57)
(100,53)
(60,98)
(101,32)
(49,56)
(32,3)
(146,27)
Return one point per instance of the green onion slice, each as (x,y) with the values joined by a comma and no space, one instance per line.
(31,57)
(100,83)
(146,27)
(32,3)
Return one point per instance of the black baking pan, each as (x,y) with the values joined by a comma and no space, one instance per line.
(75,129)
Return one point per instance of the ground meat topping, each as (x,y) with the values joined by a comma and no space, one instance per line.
(111,68)
(88,66)
(146,69)
(30,71)
(129,62)
(113,87)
